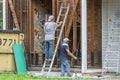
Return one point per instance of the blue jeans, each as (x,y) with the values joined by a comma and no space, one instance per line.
(49,45)
(65,66)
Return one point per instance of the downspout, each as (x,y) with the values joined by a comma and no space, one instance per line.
(4,14)
(84,34)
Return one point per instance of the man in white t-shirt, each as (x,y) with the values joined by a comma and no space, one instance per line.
(49,29)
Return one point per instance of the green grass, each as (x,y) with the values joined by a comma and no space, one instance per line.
(27,77)
(19,77)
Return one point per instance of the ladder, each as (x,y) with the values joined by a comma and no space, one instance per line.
(111,57)
(63,13)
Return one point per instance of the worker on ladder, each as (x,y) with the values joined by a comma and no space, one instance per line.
(64,52)
(49,29)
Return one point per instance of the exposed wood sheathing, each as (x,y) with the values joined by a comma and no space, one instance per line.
(23,9)
(39,19)
(94,33)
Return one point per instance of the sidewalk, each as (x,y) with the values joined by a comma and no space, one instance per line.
(56,75)
(75,76)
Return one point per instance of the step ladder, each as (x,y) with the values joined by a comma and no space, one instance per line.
(63,13)
(111,58)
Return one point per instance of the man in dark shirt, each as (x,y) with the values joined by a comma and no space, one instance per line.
(64,52)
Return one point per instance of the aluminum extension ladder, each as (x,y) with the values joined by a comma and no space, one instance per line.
(62,16)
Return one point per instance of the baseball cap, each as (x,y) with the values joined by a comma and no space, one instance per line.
(50,18)
(66,40)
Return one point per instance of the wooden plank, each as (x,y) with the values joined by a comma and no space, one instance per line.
(97,59)
(92,25)
(71,19)
(79,7)
(13,14)
(58,6)
(90,34)
(32,27)
(66,2)
(53,7)
(30,21)
(74,36)
(21,22)
(7,18)
(75,32)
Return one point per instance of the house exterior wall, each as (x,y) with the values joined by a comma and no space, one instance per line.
(109,10)
(29,24)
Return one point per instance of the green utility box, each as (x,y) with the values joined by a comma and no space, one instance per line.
(7,39)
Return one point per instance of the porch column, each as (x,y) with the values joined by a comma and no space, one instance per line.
(4,14)
(84,34)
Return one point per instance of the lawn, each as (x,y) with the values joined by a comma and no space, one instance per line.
(18,77)
(27,77)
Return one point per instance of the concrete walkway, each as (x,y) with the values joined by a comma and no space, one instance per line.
(56,75)
(38,73)
(75,75)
